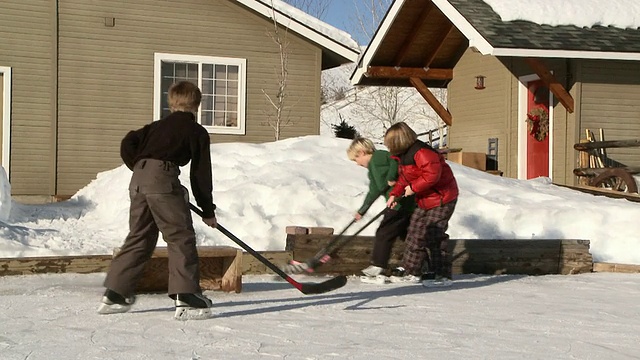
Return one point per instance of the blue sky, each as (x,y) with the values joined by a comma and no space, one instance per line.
(341,14)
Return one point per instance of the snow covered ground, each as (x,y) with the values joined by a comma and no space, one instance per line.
(589,316)
(260,189)
(308,181)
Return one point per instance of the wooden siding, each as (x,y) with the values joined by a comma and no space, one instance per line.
(610,100)
(480,114)
(28,36)
(106,73)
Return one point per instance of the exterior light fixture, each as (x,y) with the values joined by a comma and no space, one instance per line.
(480,82)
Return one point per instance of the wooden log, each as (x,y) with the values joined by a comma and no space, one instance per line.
(84,264)
(252,266)
(606,144)
(619,268)
(533,257)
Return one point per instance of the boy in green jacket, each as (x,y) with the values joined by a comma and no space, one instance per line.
(383,173)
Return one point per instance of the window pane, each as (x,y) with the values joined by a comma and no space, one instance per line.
(220,103)
(181,71)
(166,69)
(221,87)
(192,70)
(233,72)
(207,87)
(232,103)
(207,118)
(218,118)
(221,71)
(232,87)
(232,119)
(166,83)
(207,102)
(207,71)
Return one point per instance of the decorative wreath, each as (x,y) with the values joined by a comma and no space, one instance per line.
(538,123)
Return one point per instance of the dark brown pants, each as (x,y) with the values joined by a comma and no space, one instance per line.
(393,226)
(427,241)
(158,204)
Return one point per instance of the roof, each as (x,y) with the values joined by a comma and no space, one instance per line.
(337,46)
(435,34)
(524,38)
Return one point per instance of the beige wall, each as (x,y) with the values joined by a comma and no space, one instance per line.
(27,30)
(494,111)
(611,101)
(480,114)
(106,73)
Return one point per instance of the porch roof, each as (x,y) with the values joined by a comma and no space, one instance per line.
(433,34)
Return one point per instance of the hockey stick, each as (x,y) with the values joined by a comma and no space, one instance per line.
(329,250)
(324,254)
(305,288)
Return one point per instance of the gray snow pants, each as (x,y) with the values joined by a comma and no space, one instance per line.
(158,204)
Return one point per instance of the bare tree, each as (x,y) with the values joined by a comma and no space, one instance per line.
(316,8)
(367,17)
(385,106)
(278,116)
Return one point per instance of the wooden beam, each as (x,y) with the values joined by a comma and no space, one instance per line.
(402,53)
(389,72)
(432,100)
(439,41)
(552,83)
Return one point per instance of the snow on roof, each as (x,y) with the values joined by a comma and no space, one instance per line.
(306,25)
(582,13)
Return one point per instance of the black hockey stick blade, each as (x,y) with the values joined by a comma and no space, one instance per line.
(325,286)
(305,288)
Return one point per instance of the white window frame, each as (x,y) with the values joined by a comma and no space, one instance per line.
(242,85)
(6,118)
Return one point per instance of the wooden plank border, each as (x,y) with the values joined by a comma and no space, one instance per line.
(86,264)
(617,268)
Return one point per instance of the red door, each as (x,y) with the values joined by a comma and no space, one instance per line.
(537,141)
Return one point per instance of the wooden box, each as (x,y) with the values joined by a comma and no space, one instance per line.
(474,160)
(220,269)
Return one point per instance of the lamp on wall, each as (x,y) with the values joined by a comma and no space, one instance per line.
(480,82)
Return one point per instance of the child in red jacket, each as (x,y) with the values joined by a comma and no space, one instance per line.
(423,172)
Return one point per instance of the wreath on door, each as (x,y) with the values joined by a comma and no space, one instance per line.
(538,123)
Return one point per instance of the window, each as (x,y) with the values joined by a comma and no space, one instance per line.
(221,80)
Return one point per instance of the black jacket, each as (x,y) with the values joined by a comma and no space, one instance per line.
(177,138)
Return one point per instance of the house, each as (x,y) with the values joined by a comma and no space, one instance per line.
(76,75)
(499,72)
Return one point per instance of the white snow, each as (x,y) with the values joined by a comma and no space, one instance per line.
(308,181)
(582,13)
(313,23)
(589,316)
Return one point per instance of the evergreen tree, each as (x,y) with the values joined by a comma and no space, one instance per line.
(344,130)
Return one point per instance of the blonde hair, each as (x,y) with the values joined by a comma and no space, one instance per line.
(399,137)
(184,96)
(360,144)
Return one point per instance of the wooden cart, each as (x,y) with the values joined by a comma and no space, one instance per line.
(596,169)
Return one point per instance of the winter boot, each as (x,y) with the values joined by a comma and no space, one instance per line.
(114,303)
(432,280)
(192,306)
(400,275)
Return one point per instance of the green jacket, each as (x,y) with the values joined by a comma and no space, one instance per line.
(382,169)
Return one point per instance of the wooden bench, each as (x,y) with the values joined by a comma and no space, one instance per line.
(220,269)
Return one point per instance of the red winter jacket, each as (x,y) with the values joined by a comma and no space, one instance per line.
(427,172)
